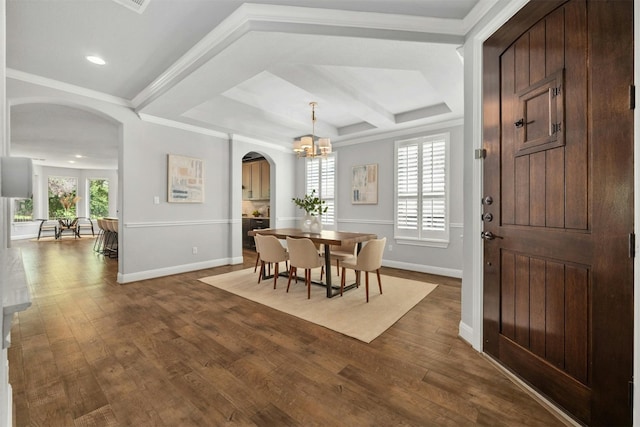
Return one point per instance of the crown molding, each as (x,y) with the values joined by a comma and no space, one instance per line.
(277,18)
(401,132)
(210,132)
(179,125)
(66,87)
(476,14)
(270,145)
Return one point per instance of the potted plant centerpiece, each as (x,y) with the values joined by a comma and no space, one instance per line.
(313,207)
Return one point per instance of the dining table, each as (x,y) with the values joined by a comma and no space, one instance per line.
(326,238)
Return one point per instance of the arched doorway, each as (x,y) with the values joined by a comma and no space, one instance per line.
(256,195)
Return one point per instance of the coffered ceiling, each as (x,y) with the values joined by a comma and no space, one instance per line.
(248,69)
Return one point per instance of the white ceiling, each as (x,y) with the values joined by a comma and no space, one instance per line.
(224,66)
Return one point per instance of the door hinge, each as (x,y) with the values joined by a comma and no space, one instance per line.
(556,127)
(479,153)
(632,97)
(555,91)
(631,394)
(632,245)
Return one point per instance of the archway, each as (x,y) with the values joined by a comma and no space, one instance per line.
(256,194)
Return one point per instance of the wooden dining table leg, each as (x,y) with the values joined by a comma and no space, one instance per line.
(327,263)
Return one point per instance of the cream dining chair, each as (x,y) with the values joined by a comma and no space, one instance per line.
(343,253)
(303,254)
(271,251)
(368,260)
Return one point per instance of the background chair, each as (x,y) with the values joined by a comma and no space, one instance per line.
(368,260)
(85,223)
(303,254)
(343,253)
(271,251)
(255,240)
(71,225)
(47,225)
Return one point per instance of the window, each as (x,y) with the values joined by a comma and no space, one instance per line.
(62,194)
(422,190)
(321,176)
(98,198)
(22,210)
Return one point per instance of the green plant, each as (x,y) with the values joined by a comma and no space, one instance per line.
(311,204)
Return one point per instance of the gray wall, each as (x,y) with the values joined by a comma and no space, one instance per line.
(379,218)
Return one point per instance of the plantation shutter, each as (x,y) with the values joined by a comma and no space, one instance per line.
(321,177)
(433,185)
(422,190)
(407,189)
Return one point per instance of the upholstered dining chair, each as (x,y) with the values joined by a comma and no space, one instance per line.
(303,254)
(271,251)
(368,260)
(343,253)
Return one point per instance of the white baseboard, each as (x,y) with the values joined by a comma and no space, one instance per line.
(177,269)
(449,272)
(466,332)
(26,236)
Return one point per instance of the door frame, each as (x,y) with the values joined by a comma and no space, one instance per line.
(472,288)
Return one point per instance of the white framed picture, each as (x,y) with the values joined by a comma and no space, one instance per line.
(185,179)
(364,184)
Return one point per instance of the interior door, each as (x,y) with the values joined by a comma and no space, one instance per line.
(558,203)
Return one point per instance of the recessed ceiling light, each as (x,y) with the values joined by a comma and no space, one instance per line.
(72,161)
(79,156)
(96,60)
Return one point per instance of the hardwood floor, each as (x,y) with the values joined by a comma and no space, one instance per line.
(176,352)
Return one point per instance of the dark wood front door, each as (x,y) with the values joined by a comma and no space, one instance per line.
(558,132)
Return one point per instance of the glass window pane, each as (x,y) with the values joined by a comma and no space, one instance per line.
(62,193)
(98,198)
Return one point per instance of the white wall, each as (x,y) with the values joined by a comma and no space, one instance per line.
(5,388)
(380,218)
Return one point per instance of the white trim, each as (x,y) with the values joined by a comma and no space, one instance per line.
(555,410)
(184,126)
(440,126)
(180,223)
(365,221)
(269,145)
(25,236)
(66,87)
(352,19)
(430,243)
(476,279)
(264,17)
(478,11)
(456,225)
(185,268)
(465,331)
(440,271)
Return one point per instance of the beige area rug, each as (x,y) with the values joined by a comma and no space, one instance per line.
(350,314)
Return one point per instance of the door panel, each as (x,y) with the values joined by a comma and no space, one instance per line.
(558,133)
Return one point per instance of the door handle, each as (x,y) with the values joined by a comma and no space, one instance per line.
(487,235)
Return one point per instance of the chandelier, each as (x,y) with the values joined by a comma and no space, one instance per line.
(307,146)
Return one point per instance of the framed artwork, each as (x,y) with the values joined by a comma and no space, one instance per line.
(185,179)
(364,185)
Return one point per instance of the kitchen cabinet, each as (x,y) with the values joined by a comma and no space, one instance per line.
(252,224)
(256,183)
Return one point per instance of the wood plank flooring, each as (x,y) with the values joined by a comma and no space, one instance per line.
(176,352)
